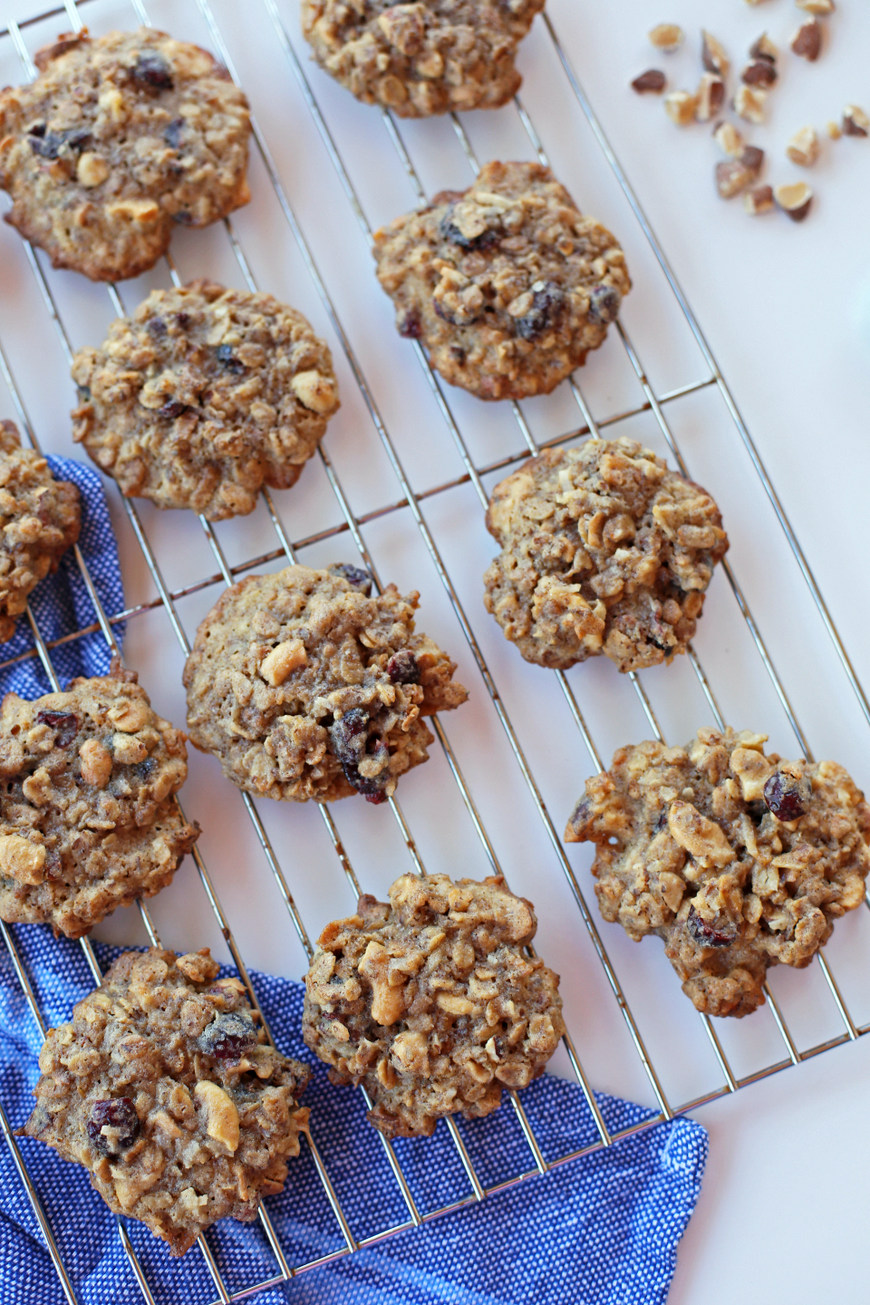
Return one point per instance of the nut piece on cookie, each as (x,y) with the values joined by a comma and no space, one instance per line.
(737,859)
(305,686)
(204,396)
(421,58)
(87,817)
(431,1001)
(604,550)
(118,139)
(506,285)
(164,1087)
(40,519)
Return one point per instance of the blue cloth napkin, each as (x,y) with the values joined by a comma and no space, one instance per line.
(61,604)
(598,1231)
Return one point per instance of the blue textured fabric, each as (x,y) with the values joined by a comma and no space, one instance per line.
(61,604)
(602,1230)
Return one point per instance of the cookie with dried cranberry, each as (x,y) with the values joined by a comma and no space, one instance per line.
(87,817)
(118,139)
(431,1001)
(418,58)
(164,1087)
(305,685)
(506,285)
(40,519)
(604,550)
(737,859)
(204,396)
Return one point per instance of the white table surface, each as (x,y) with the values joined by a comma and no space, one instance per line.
(786,309)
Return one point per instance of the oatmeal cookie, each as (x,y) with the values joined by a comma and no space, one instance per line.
(737,860)
(506,285)
(604,550)
(421,58)
(431,1001)
(204,396)
(117,139)
(303,686)
(87,821)
(39,520)
(166,1090)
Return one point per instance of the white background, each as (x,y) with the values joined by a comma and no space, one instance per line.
(786,308)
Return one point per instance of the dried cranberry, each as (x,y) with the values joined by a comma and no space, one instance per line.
(348,735)
(229,1036)
(706,935)
(156,327)
(182,321)
(604,301)
(354,575)
(84,393)
(402,667)
(450,231)
(172,408)
(228,360)
(173,133)
(785,796)
(547,301)
(183,218)
(64,723)
(119,1115)
(410,326)
(48,144)
(152,72)
(351,743)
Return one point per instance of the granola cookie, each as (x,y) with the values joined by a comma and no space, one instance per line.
(87,821)
(166,1090)
(431,1001)
(303,686)
(204,396)
(421,58)
(506,285)
(604,550)
(117,139)
(737,860)
(39,520)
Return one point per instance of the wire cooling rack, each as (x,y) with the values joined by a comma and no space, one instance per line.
(402,484)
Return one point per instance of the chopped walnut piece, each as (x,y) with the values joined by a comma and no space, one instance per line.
(21,860)
(653,80)
(736,174)
(713,55)
(667,37)
(855,121)
(729,139)
(710,97)
(816,6)
(794,200)
(807,40)
(749,103)
(758,200)
(680,107)
(759,73)
(96,763)
(763,48)
(803,148)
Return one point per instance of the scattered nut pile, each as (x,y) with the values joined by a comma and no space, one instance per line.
(739,172)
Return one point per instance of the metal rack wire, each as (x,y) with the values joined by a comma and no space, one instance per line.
(411,501)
